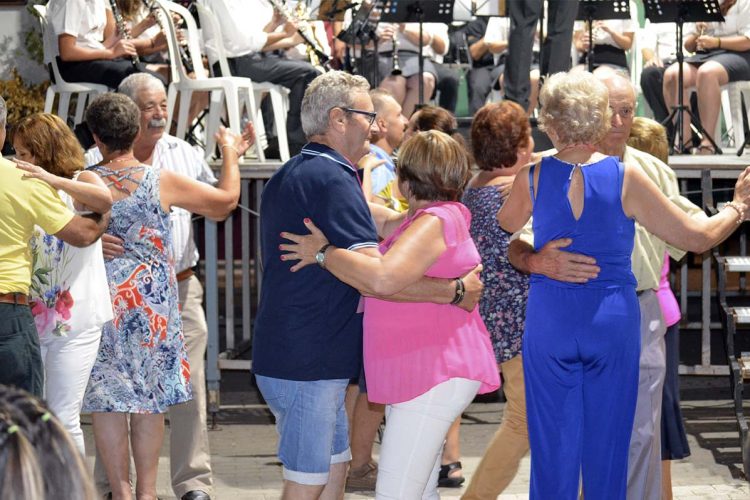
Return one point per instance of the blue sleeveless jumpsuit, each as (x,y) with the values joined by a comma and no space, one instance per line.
(582,342)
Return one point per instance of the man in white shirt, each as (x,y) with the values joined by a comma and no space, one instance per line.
(190,458)
(250,36)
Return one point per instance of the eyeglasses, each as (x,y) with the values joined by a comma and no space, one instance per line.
(371,115)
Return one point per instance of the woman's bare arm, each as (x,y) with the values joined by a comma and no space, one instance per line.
(200,198)
(404,264)
(516,211)
(89,191)
(643,200)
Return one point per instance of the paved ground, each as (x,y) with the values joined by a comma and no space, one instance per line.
(245,464)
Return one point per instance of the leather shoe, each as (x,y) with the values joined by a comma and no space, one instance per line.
(196,495)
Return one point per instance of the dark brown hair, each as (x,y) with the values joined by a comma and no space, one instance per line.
(437,118)
(498,131)
(434,166)
(51,142)
(115,120)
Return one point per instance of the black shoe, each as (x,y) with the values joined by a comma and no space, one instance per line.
(447,481)
(196,495)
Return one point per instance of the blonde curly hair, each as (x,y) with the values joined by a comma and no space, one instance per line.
(575,106)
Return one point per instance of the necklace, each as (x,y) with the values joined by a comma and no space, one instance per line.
(120,160)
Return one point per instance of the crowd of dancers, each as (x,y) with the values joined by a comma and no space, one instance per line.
(405,269)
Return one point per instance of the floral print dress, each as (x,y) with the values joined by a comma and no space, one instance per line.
(142,364)
(503,302)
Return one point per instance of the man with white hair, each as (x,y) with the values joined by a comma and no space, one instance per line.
(308,333)
(190,458)
(644,460)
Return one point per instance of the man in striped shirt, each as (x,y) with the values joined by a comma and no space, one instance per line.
(190,457)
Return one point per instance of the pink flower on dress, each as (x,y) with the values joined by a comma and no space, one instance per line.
(44,317)
(63,304)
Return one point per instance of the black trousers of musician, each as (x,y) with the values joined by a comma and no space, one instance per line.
(524,16)
(447,85)
(103,71)
(294,75)
(481,81)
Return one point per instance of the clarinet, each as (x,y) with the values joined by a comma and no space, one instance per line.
(187,63)
(122,29)
(302,30)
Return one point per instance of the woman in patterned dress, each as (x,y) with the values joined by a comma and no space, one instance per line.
(142,368)
(501,142)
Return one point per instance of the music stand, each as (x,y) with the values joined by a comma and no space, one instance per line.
(600,10)
(420,11)
(680,12)
(361,29)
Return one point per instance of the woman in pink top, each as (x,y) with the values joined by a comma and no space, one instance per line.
(425,361)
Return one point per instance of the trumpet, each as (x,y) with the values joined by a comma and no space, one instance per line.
(122,30)
(395,63)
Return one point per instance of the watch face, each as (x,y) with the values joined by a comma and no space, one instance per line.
(320,257)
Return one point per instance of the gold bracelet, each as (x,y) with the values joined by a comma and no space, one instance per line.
(232,148)
(737,208)
(718,41)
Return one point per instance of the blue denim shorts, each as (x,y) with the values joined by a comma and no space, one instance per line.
(312,425)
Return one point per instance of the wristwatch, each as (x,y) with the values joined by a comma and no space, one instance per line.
(320,257)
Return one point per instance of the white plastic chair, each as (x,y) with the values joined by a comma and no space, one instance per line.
(279,95)
(236,92)
(65,90)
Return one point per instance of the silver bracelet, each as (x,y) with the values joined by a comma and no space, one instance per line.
(232,148)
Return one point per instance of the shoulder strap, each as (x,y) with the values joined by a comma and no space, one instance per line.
(531,184)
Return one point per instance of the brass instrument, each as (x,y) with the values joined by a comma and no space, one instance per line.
(122,30)
(315,53)
(395,63)
(187,62)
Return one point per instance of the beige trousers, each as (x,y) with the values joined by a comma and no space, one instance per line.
(510,443)
(189,454)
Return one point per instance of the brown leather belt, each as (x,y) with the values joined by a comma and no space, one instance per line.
(14,298)
(183,275)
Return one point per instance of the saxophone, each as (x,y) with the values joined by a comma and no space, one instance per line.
(122,30)
(315,54)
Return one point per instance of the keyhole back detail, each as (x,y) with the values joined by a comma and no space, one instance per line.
(575,191)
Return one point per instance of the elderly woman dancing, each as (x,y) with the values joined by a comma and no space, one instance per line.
(142,366)
(425,361)
(581,341)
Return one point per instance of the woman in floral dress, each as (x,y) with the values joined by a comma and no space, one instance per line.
(69,294)
(502,144)
(142,366)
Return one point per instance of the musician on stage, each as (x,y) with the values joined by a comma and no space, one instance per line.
(83,37)
(251,38)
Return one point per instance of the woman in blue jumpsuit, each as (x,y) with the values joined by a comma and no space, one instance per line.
(582,341)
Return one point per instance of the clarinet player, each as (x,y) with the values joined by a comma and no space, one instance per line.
(82,36)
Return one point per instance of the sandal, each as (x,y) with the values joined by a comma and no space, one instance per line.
(703,149)
(445,480)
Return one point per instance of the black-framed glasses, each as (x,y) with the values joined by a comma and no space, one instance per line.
(371,115)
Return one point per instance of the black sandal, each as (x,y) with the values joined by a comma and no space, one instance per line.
(444,478)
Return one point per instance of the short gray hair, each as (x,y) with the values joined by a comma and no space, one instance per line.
(326,92)
(576,106)
(137,82)
(114,119)
(3,112)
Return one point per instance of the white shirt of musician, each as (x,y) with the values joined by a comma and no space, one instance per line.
(431,29)
(178,156)
(661,38)
(83,19)
(736,22)
(241,23)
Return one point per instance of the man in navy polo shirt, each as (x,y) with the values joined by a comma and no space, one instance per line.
(308,332)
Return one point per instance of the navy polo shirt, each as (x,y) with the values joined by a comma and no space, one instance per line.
(308,327)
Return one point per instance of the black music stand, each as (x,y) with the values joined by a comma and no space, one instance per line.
(600,10)
(420,11)
(680,12)
(745,126)
(362,30)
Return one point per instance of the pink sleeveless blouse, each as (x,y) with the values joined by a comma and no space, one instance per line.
(410,348)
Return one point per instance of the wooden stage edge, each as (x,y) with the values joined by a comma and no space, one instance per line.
(726,166)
